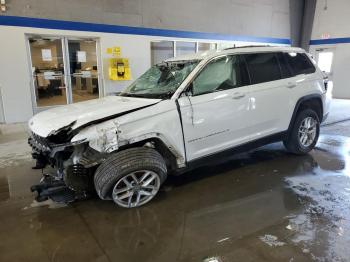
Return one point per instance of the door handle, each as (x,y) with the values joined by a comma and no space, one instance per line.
(238,95)
(291,85)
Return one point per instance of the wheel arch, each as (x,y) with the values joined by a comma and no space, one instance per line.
(172,158)
(313,102)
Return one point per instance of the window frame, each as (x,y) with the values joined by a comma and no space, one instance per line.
(264,52)
(283,57)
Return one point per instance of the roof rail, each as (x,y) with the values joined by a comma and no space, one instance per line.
(247,46)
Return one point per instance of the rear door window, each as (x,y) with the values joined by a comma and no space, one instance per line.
(285,68)
(299,63)
(263,67)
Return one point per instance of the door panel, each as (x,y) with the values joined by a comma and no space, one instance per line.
(271,105)
(270,95)
(215,118)
(215,122)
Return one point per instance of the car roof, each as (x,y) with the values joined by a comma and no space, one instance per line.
(234,50)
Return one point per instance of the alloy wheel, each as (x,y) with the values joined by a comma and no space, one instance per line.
(307,131)
(136,189)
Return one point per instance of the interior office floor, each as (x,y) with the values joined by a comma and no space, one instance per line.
(264,205)
(78,96)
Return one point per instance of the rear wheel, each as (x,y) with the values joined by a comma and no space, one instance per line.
(303,136)
(132,177)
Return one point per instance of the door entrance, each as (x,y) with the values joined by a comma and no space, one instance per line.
(63,70)
(324,60)
(83,73)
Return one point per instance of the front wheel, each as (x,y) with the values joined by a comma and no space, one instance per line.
(303,136)
(132,177)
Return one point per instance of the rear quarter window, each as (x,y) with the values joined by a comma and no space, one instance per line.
(299,63)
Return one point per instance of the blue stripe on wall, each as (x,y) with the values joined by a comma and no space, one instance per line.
(117,29)
(342,40)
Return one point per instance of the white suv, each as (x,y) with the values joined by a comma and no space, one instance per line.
(181,113)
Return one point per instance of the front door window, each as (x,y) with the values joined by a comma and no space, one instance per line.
(221,74)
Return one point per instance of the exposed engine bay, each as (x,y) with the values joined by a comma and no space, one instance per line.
(73,140)
(73,166)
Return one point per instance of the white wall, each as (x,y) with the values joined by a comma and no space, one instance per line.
(15,70)
(2,114)
(334,20)
(267,18)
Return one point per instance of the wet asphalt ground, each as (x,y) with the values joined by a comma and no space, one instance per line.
(264,205)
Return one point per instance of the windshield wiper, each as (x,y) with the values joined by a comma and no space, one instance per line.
(132,95)
(166,95)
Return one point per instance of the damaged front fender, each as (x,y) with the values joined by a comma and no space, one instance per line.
(103,137)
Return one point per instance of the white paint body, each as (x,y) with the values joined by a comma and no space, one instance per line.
(210,123)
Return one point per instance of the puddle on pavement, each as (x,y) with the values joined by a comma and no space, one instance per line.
(272,241)
(240,210)
(323,225)
(48,203)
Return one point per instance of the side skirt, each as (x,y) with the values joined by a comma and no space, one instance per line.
(222,155)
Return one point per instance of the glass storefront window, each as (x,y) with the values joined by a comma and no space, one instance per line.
(222,46)
(64,70)
(185,48)
(206,47)
(161,50)
(83,69)
(48,71)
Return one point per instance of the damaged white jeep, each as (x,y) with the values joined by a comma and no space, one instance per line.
(180,114)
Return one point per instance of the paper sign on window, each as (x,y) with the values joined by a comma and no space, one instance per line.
(81,56)
(46,54)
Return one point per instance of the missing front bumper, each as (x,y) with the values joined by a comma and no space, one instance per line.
(56,190)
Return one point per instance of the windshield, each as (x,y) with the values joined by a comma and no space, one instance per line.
(161,80)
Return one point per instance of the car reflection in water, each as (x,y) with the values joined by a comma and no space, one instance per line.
(216,213)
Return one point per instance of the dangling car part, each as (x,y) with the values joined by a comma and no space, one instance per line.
(74,184)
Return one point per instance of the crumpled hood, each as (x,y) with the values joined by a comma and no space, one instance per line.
(49,121)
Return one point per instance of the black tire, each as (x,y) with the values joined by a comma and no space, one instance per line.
(125,162)
(293,143)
